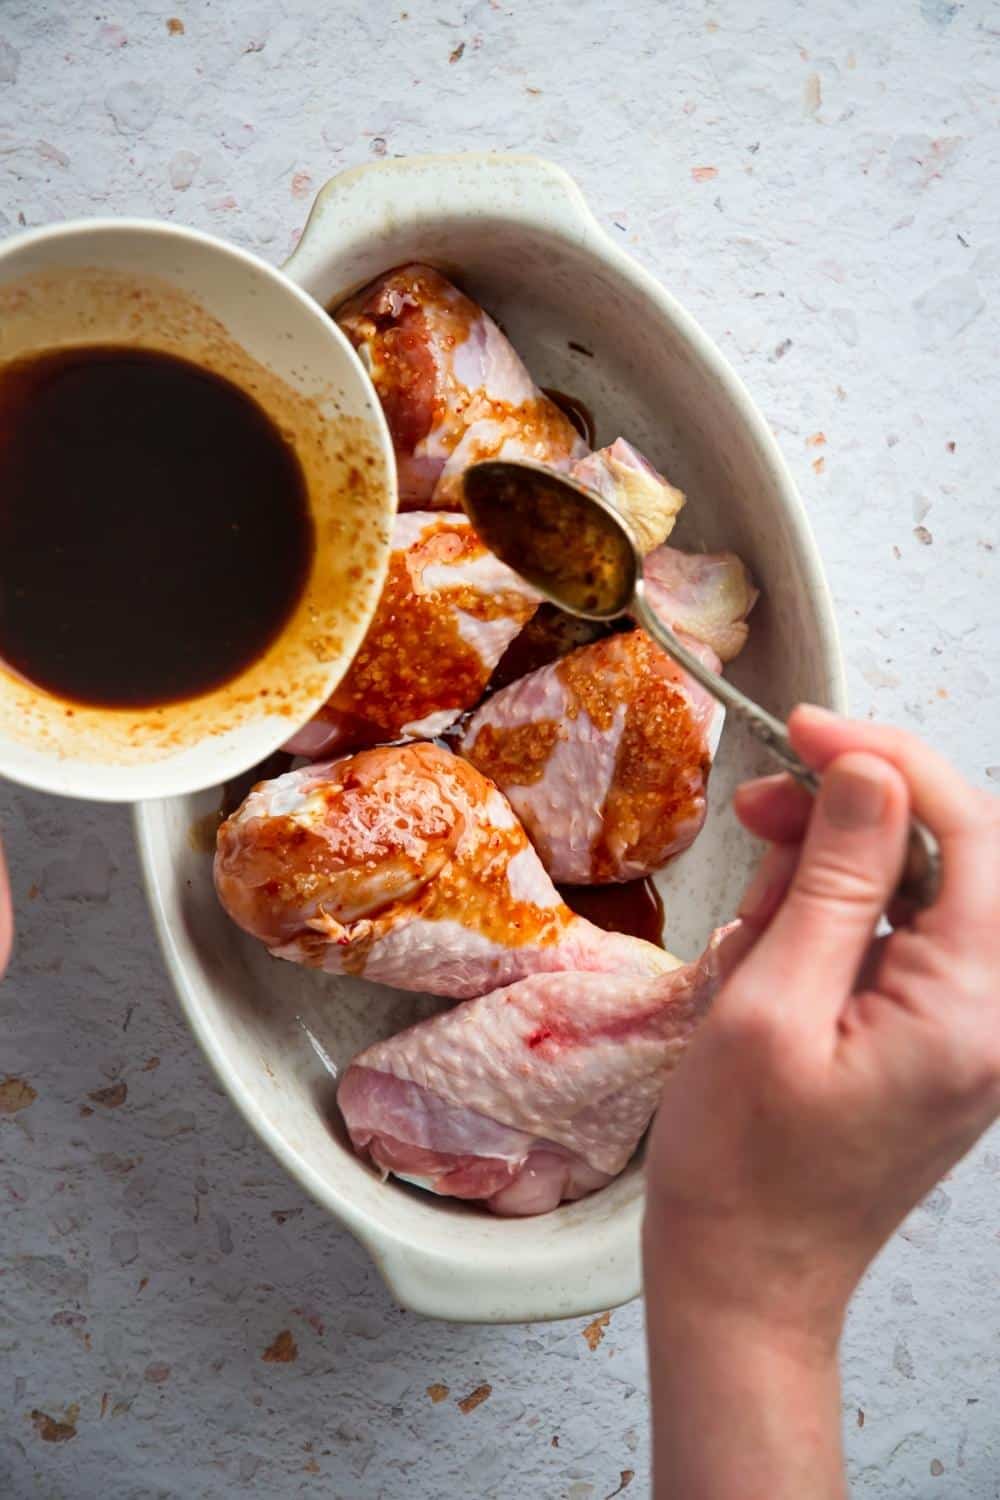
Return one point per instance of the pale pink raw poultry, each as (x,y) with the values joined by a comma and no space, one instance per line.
(404,864)
(605,755)
(453,391)
(707,595)
(448,611)
(536,1093)
(452,387)
(619,473)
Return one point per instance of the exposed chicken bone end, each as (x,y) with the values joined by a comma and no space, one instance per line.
(620,474)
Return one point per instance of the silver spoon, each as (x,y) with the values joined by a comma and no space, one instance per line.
(577,550)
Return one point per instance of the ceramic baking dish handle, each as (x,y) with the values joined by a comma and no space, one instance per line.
(391,211)
(501,1286)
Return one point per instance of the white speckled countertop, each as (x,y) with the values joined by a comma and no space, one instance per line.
(821,186)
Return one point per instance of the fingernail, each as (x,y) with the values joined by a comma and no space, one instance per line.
(854,796)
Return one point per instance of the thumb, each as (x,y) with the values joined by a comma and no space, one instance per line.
(848,869)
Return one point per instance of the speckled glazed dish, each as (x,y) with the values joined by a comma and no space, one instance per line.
(158,286)
(517,234)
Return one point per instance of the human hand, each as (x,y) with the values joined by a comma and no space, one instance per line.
(837,1077)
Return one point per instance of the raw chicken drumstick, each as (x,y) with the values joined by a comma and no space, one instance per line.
(452,388)
(448,611)
(453,391)
(404,864)
(604,756)
(536,1093)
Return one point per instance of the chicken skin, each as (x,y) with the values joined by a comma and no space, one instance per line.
(448,611)
(604,755)
(452,388)
(404,864)
(536,1093)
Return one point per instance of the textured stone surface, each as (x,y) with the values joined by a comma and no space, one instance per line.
(819,184)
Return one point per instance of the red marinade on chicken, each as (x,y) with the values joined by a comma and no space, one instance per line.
(605,754)
(405,865)
(452,388)
(448,611)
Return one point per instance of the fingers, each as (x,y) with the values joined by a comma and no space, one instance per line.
(940,795)
(6,916)
(847,870)
(963,819)
(775,808)
(767,889)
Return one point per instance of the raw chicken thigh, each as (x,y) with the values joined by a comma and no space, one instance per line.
(452,388)
(448,611)
(604,756)
(404,864)
(536,1093)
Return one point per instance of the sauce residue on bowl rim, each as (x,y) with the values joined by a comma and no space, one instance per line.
(346,476)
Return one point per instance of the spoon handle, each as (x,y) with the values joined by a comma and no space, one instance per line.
(921,877)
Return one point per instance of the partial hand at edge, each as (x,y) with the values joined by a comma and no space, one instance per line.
(837,1077)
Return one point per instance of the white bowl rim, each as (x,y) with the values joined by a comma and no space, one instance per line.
(65,776)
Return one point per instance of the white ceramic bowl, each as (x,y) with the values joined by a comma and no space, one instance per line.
(518,234)
(159,286)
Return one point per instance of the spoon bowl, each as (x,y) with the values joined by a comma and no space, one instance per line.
(568,542)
